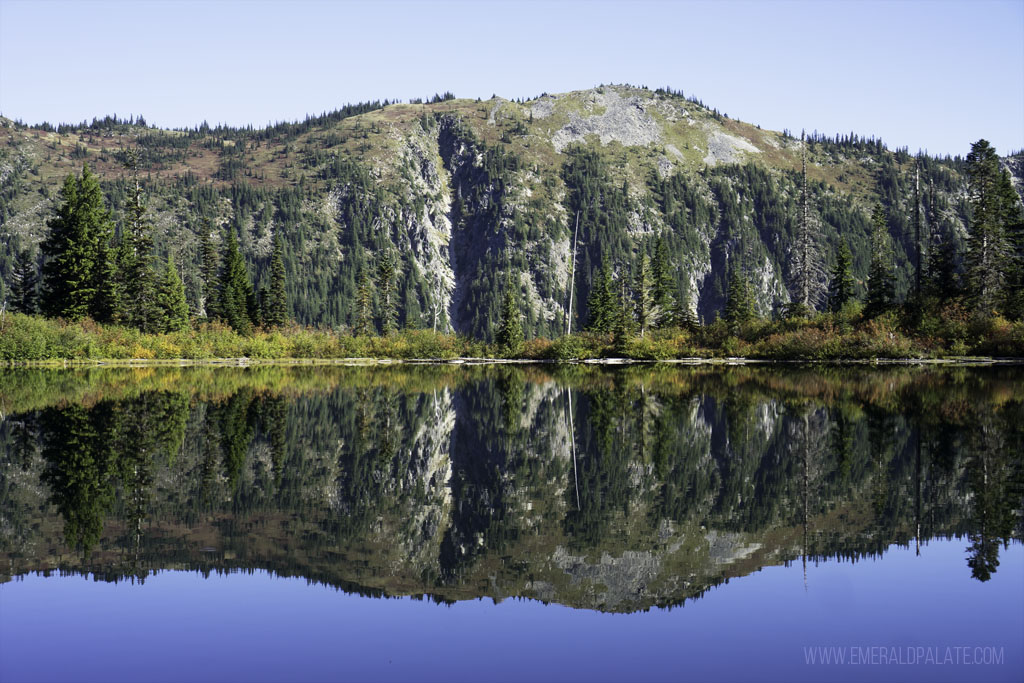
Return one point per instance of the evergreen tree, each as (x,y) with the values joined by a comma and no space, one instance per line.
(682,313)
(643,301)
(75,251)
(24,282)
(209,270)
(236,292)
(137,279)
(1012,218)
(275,300)
(987,253)
(940,278)
(739,306)
(262,305)
(664,311)
(622,312)
(108,306)
(841,290)
(807,270)
(386,289)
(171,303)
(881,284)
(364,306)
(510,329)
(601,303)
(918,250)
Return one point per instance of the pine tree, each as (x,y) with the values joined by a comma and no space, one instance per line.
(236,294)
(75,251)
(510,330)
(386,289)
(739,306)
(918,250)
(643,301)
(137,279)
(622,312)
(171,304)
(209,270)
(363,323)
(664,312)
(108,306)
(807,270)
(1011,214)
(600,303)
(940,277)
(841,290)
(987,253)
(881,283)
(683,314)
(275,301)
(24,284)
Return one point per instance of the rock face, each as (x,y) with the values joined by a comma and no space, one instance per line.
(623,119)
(727,149)
(471,195)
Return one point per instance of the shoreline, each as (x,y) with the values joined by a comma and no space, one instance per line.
(244,362)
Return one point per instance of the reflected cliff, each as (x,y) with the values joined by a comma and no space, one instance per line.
(611,489)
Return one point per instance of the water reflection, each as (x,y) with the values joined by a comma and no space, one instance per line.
(610,489)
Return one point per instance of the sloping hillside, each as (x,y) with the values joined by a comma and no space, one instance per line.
(467,193)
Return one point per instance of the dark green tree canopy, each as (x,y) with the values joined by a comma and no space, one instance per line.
(881,284)
(76,252)
(236,293)
(510,329)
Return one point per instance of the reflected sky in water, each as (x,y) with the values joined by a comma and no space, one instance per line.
(255,627)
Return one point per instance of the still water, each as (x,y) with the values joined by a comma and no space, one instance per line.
(511,523)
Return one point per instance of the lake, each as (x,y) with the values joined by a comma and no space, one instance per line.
(512,522)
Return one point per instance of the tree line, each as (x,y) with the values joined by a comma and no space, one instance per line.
(89,269)
(628,287)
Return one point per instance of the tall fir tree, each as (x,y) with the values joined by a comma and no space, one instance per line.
(683,314)
(841,289)
(75,252)
(363,316)
(137,278)
(236,294)
(918,246)
(386,271)
(1011,215)
(665,305)
(987,252)
(108,306)
(276,306)
(642,297)
(940,279)
(739,305)
(806,268)
(171,304)
(622,321)
(510,329)
(881,283)
(209,272)
(601,303)
(24,284)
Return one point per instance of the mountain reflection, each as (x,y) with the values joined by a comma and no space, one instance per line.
(611,489)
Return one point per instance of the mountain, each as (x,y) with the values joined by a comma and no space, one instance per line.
(466,192)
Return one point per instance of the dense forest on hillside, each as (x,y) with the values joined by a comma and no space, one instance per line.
(644,209)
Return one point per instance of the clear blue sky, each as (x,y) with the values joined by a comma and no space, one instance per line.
(927,75)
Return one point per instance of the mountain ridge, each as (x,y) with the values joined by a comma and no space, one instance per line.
(465,191)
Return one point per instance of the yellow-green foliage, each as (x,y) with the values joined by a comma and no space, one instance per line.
(30,338)
(949,331)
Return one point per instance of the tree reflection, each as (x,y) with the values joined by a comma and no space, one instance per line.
(513,480)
